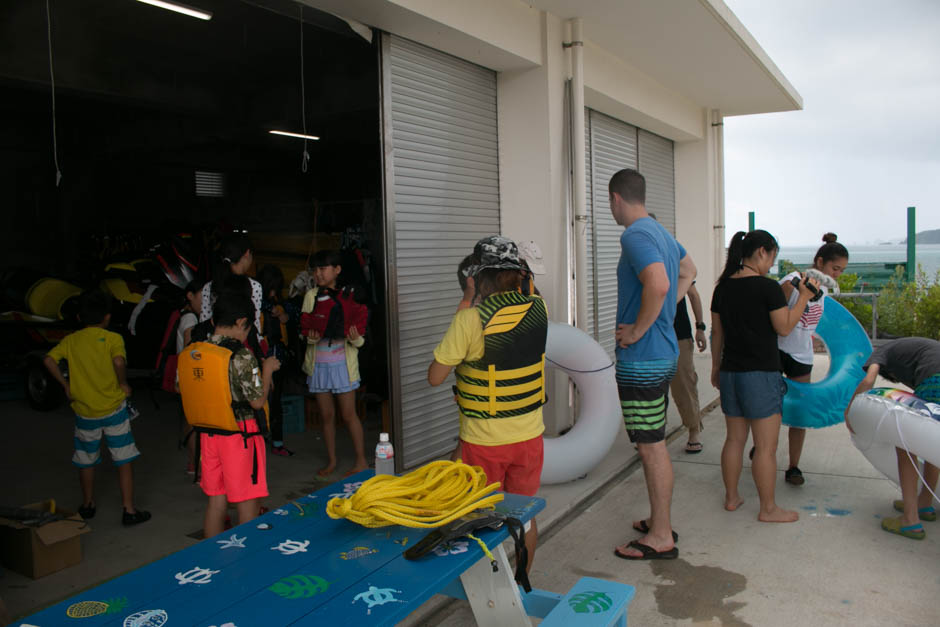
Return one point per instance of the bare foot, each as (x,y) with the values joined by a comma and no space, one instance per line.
(357,468)
(731,504)
(778,514)
(327,470)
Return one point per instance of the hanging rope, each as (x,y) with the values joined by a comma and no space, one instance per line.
(431,496)
(303,100)
(55,143)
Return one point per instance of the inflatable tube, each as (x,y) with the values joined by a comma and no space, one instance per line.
(578,451)
(885,419)
(47,297)
(822,404)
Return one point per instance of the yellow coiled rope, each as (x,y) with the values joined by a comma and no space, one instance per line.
(430,496)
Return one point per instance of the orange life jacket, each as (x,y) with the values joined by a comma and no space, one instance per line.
(206,390)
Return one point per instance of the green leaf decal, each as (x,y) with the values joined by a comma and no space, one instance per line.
(299,586)
(116,605)
(590,602)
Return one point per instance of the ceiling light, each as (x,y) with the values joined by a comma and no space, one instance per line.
(298,135)
(179,8)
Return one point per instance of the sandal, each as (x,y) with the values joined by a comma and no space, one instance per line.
(794,476)
(924,513)
(894,525)
(693,447)
(648,552)
(140,516)
(281,451)
(643,527)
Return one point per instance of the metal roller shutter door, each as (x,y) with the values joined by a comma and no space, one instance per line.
(656,163)
(590,325)
(613,147)
(442,195)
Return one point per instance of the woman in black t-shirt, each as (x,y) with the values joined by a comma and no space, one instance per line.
(749,311)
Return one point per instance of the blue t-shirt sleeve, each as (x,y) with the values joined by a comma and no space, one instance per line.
(681,252)
(639,249)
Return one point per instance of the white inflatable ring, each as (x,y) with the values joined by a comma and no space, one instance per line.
(578,451)
(885,419)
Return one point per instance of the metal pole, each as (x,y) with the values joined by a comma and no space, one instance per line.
(911,245)
(750,220)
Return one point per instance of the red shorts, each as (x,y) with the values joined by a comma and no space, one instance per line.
(518,466)
(226,463)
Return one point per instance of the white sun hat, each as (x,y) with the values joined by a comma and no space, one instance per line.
(532,253)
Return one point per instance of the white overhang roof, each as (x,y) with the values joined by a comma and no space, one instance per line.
(697,48)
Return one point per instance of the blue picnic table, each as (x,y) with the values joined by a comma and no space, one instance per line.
(297,566)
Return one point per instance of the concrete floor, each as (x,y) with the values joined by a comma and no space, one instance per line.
(835,566)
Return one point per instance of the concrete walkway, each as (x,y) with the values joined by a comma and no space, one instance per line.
(835,566)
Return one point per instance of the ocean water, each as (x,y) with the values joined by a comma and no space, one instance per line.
(927,255)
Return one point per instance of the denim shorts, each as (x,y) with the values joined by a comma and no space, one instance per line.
(752,394)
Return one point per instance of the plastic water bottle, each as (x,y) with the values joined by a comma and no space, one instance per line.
(384,456)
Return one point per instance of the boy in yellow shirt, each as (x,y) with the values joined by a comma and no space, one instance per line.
(98,390)
(498,348)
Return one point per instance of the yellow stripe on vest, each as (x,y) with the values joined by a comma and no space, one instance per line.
(509,390)
(506,318)
(501,405)
(501,375)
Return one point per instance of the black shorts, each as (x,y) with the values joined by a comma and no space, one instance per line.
(792,368)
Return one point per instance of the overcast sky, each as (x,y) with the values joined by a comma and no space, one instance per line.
(866,144)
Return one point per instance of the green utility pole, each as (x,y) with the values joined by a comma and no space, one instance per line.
(911,245)
(750,221)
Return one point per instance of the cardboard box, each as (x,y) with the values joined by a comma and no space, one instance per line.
(39,551)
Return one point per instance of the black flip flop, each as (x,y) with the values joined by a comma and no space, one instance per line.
(693,448)
(648,552)
(644,528)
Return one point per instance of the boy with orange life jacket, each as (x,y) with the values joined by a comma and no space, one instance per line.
(224,393)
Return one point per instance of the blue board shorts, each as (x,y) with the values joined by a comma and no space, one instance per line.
(752,394)
(116,430)
(929,389)
(643,387)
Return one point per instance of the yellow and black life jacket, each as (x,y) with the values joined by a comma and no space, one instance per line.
(509,380)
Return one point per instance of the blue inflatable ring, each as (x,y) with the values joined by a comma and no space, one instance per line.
(822,404)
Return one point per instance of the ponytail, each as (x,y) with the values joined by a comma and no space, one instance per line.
(742,246)
(735,256)
(230,251)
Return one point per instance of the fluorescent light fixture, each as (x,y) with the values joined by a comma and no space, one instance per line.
(179,8)
(298,135)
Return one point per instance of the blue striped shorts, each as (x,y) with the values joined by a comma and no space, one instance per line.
(116,429)
(643,387)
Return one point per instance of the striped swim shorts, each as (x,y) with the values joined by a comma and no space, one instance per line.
(644,396)
(116,429)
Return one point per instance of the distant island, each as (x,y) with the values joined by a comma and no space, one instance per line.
(926,237)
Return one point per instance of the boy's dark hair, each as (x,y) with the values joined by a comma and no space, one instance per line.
(467,261)
(323,258)
(230,307)
(271,279)
(630,185)
(495,280)
(95,305)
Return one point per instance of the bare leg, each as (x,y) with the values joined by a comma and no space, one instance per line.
(327,411)
(247,510)
(732,460)
(214,522)
(908,480)
(931,474)
(796,436)
(531,540)
(126,481)
(657,468)
(764,468)
(86,478)
(347,407)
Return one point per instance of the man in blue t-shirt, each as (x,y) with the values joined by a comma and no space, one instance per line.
(653,274)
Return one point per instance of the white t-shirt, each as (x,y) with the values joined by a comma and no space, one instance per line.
(187,321)
(208,300)
(799,344)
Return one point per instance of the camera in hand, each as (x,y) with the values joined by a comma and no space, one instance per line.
(817,293)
